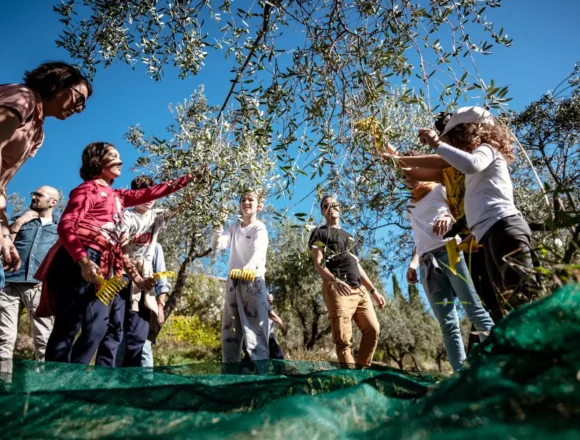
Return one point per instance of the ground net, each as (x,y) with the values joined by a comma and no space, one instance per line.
(523,382)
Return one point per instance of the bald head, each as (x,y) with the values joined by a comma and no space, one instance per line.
(50,192)
(44,199)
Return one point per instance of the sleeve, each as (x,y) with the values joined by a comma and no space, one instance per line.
(80,202)
(134,197)
(128,225)
(162,286)
(221,239)
(162,217)
(18,98)
(259,249)
(316,237)
(468,163)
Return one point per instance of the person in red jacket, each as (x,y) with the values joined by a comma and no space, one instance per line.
(88,247)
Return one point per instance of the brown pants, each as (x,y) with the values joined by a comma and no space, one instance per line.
(341,311)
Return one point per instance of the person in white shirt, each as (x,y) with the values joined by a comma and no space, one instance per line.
(481,149)
(430,218)
(246,307)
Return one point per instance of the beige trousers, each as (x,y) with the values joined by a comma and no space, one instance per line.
(13,297)
(341,311)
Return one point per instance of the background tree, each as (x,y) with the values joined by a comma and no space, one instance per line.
(314,68)
(549,130)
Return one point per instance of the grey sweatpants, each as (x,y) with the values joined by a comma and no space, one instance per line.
(245,317)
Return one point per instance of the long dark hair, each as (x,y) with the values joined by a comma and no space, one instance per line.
(51,77)
(92,162)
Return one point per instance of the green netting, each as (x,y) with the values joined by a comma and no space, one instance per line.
(523,382)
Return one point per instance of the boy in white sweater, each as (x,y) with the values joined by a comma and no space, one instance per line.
(246,301)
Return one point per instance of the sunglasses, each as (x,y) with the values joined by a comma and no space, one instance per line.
(330,205)
(39,195)
(80,101)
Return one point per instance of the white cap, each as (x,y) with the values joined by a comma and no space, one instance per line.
(469,115)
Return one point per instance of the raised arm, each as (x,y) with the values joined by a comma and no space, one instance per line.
(134,197)
(432,161)
(467,163)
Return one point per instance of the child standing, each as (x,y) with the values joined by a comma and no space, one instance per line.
(132,308)
(482,149)
(88,247)
(246,307)
(430,219)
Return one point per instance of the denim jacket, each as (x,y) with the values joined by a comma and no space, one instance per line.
(32,242)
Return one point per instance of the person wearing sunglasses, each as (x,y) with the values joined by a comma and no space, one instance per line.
(34,233)
(345,287)
(53,89)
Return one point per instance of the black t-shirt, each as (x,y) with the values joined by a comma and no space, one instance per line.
(339,253)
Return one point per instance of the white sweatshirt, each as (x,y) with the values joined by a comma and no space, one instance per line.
(423,214)
(248,246)
(489,194)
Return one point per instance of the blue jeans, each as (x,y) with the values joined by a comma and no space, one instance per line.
(443,304)
(147,356)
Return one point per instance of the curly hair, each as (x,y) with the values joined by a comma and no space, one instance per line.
(92,161)
(468,137)
(140,182)
(51,77)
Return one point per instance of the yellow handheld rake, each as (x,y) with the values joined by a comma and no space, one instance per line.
(109,288)
(453,250)
(453,254)
(246,275)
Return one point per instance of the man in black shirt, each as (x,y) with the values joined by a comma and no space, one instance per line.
(343,287)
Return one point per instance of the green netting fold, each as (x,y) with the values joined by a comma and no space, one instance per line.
(523,381)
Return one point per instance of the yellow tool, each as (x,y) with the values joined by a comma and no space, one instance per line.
(453,254)
(453,250)
(167,274)
(246,275)
(469,247)
(109,288)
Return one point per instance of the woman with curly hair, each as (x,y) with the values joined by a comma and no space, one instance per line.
(89,246)
(52,89)
(481,148)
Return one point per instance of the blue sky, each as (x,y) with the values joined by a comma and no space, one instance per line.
(546,46)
